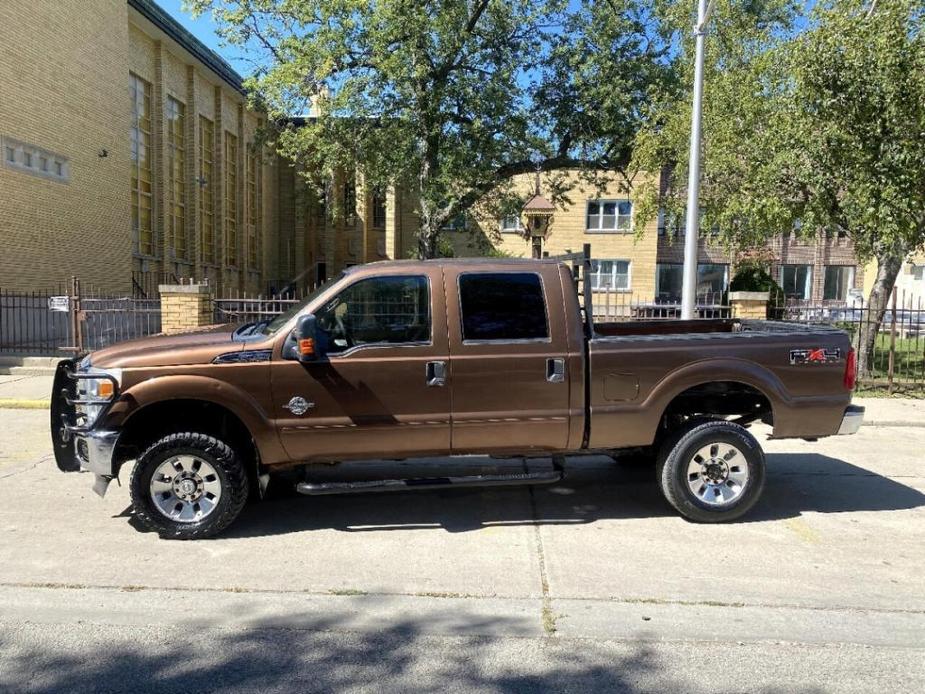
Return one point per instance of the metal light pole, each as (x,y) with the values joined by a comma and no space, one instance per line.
(692,228)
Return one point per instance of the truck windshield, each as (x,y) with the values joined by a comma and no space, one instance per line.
(283,318)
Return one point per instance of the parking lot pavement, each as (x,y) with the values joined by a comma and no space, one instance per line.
(589,585)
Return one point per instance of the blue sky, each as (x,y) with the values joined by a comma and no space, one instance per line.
(203,28)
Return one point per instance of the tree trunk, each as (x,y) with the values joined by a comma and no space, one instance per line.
(427,234)
(888,267)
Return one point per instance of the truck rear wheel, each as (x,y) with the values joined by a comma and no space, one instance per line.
(187,486)
(712,471)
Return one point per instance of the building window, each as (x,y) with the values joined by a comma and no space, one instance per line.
(918,272)
(610,274)
(609,215)
(512,224)
(838,280)
(321,206)
(797,281)
(253,216)
(668,281)
(10,154)
(457,223)
(206,196)
(231,199)
(350,199)
(140,132)
(379,210)
(176,177)
(712,279)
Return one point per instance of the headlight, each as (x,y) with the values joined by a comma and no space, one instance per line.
(101,389)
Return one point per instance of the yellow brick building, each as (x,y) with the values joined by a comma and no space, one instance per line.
(128,154)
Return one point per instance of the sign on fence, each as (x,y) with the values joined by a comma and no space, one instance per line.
(59,303)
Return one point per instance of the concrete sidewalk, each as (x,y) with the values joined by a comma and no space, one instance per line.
(24,389)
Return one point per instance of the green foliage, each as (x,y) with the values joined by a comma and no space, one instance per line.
(449,98)
(817,129)
(755,277)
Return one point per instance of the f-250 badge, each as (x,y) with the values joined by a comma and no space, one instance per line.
(814,356)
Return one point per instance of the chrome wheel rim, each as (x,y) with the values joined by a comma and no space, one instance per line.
(185,488)
(717,475)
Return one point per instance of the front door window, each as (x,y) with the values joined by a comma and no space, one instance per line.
(377,311)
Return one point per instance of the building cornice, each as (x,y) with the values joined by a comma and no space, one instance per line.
(170,26)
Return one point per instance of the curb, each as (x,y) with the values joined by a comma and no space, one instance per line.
(22,404)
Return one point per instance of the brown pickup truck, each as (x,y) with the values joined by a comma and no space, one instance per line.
(442,358)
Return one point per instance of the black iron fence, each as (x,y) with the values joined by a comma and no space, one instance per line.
(71,320)
(28,326)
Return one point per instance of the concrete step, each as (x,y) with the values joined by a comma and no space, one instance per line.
(24,365)
(26,371)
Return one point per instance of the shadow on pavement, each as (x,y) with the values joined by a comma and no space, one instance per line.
(796,483)
(309,653)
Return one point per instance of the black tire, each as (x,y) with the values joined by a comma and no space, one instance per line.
(229,469)
(679,450)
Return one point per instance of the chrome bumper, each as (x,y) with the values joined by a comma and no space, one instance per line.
(851,422)
(94,452)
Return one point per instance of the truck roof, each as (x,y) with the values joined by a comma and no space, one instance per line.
(457,261)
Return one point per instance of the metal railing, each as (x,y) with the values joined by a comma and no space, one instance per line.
(246,310)
(615,305)
(27,326)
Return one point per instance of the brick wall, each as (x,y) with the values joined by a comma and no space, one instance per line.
(64,75)
(64,86)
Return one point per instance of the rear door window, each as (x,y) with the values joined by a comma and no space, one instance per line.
(502,306)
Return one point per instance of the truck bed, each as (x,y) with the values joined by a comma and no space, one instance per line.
(639,368)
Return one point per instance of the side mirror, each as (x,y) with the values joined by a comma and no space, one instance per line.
(307,346)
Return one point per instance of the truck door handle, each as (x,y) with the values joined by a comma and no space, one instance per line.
(435,373)
(555,370)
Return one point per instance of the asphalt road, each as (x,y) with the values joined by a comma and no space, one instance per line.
(589,585)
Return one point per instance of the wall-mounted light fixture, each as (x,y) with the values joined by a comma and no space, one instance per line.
(103,153)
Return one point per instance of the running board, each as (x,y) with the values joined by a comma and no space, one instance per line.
(523,478)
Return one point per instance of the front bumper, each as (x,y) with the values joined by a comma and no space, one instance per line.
(78,446)
(852,420)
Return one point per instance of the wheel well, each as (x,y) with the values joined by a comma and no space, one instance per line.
(159,419)
(719,398)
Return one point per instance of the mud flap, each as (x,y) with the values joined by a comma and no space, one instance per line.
(61,414)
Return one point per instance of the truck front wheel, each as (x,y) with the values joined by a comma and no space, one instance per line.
(712,472)
(187,486)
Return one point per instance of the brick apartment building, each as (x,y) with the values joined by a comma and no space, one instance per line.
(128,159)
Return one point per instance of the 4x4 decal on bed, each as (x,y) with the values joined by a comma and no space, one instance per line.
(814,356)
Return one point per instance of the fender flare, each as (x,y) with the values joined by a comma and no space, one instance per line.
(137,398)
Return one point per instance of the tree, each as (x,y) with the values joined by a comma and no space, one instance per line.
(449,97)
(816,130)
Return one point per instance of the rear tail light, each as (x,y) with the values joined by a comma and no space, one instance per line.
(851,369)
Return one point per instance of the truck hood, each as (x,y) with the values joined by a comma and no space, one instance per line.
(196,347)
